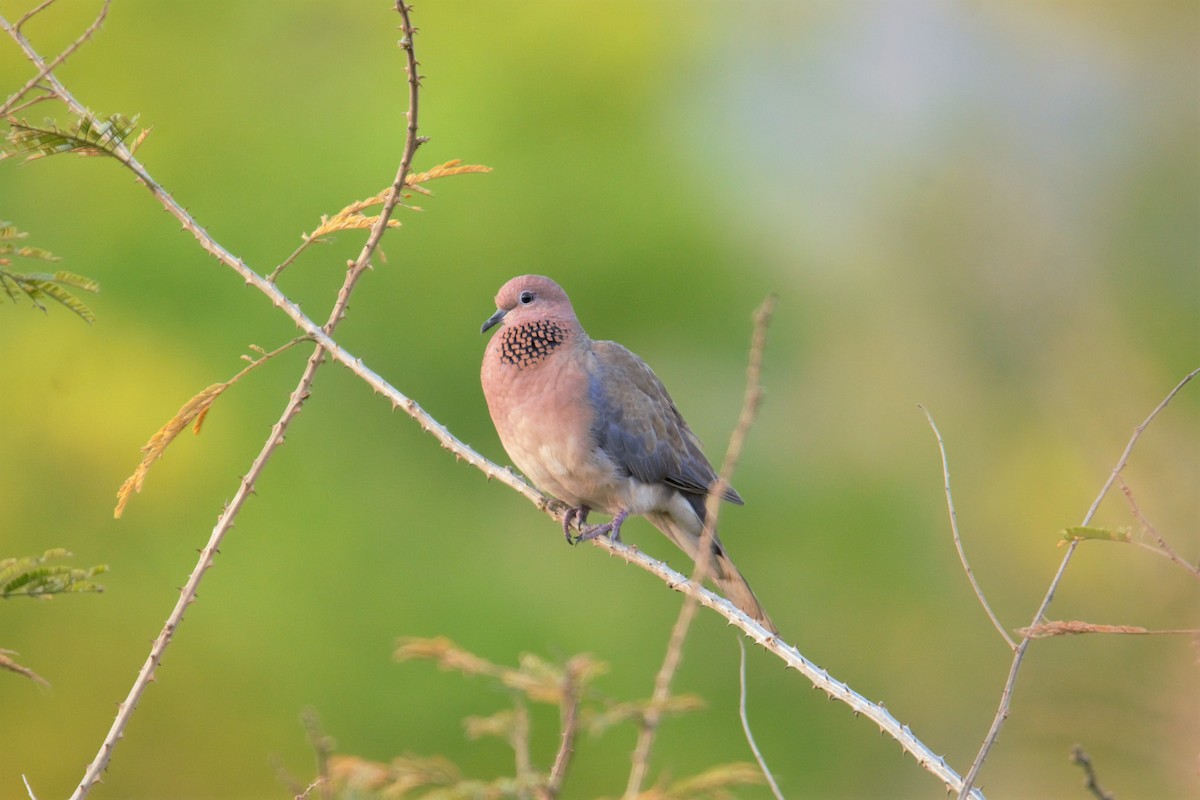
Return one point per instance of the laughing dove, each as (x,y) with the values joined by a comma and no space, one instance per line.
(591,424)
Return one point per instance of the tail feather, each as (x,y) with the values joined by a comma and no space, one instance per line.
(734,586)
(721,569)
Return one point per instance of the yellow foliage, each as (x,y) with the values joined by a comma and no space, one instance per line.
(191,413)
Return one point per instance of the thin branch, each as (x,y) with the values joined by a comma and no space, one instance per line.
(47,68)
(295,402)
(962,554)
(1137,433)
(411,142)
(322,750)
(666,673)
(758,756)
(1014,669)
(1163,548)
(39,8)
(518,738)
(1080,757)
(187,595)
(570,725)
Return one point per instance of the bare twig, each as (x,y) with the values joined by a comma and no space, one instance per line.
(1080,757)
(322,750)
(33,12)
(1163,548)
(758,756)
(187,595)
(46,68)
(1137,433)
(570,725)
(1014,669)
(666,673)
(208,554)
(962,554)
(518,738)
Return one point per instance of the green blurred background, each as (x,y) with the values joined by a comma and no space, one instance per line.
(990,209)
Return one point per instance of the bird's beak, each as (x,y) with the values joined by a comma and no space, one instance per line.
(493,320)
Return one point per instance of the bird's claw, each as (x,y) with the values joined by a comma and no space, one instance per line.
(578,515)
(613,529)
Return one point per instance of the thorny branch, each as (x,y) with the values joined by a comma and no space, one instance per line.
(45,69)
(570,725)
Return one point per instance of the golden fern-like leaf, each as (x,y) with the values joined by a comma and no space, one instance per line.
(453,167)
(191,413)
(351,217)
(716,783)
(343,221)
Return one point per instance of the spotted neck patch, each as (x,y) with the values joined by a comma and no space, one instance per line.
(528,345)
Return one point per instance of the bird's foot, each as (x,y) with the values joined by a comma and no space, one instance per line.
(578,515)
(613,528)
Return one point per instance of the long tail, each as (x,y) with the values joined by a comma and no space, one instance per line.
(722,570)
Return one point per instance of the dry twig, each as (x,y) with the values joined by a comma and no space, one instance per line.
(1014,669)
(44,69)
(208,554)
(758,756)
(666,673)
(962,554)
(570,725)
(1080,757)
(1163,548)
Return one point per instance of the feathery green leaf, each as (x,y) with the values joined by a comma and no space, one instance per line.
(37,286)
(31,576)
(90,135)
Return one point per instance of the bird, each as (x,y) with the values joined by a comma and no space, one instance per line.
(591,424)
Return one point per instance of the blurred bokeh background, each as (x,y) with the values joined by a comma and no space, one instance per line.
(990,209)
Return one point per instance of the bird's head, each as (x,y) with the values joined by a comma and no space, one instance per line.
(531,298)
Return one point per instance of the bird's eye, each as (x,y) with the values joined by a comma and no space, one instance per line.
(526,298)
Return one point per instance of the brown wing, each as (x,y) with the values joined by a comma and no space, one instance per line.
(640,429)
